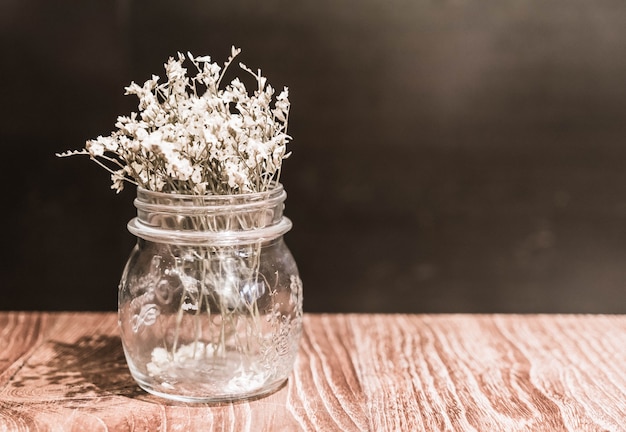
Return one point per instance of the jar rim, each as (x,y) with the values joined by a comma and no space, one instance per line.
(276,188)
(173,203)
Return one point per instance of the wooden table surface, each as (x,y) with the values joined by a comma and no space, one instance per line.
(66,371)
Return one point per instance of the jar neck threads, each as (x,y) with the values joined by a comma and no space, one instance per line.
(217,220)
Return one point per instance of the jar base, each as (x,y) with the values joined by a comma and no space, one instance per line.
(199,397)
(195,374)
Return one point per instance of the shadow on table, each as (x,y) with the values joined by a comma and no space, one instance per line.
(94,366)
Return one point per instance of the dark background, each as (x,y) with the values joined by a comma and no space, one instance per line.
(448,155)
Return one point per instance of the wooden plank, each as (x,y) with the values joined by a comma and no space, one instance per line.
(353,373)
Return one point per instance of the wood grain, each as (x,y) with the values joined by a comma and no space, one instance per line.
(67,371)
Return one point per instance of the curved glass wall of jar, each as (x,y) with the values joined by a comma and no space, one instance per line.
(210,301)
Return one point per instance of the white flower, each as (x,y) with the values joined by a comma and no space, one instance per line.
(179,168)
(95,147)
(235,175)
(117,178)
(176,73)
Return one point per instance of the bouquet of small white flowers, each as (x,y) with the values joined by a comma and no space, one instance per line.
(193,137)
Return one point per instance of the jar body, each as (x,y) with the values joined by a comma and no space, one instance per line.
(210,321)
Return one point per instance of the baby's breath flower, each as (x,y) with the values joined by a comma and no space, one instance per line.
(95,147)
(191,136)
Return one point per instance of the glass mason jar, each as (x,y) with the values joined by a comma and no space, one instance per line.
(210,301)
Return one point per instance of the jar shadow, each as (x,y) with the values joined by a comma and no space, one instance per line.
(92,365)
(96,366)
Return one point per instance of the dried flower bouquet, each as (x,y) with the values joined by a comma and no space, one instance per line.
(192,137)
(190,141)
